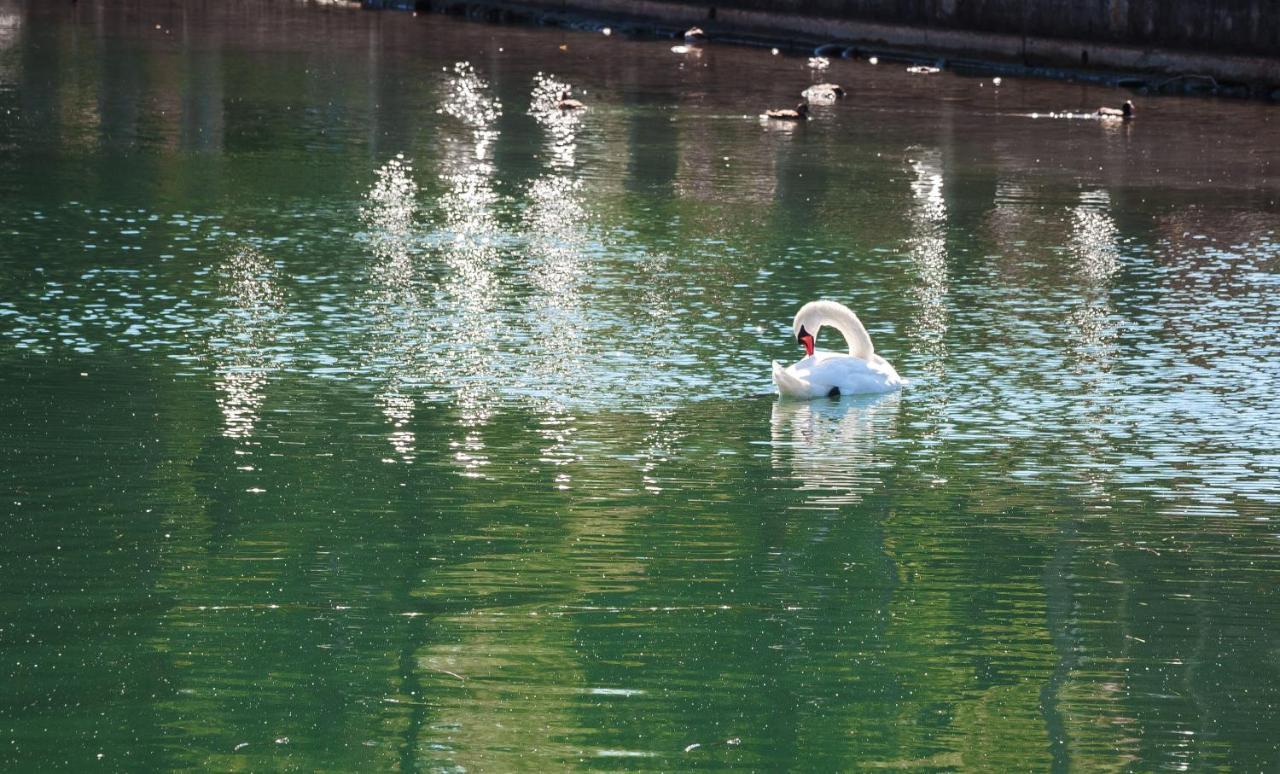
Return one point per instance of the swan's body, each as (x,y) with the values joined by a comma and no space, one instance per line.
(827,374)
(830,374)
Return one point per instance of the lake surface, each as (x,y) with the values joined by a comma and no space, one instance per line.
(355,415)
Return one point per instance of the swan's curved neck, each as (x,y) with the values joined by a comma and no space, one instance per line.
(814,315)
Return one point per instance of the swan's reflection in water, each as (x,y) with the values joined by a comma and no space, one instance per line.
(389,214)
(470,256)
(831,447)
(243,342)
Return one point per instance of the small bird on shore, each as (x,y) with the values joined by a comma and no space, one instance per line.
(1124,112)
(800,113)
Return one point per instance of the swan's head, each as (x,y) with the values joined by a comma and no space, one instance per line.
(814,315)
(1127,109)
(805,339)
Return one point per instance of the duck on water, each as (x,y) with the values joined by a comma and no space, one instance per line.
(823,93)
(566,103)
(1124,112)
(800,113)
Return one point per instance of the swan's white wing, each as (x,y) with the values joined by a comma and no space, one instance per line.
(789,384)
(853,375)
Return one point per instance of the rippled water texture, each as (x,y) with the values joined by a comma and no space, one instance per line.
(362,409)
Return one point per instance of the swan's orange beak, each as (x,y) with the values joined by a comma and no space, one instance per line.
(804,339)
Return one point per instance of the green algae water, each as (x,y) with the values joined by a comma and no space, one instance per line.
(360,410)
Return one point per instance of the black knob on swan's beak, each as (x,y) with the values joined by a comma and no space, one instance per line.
(805,339)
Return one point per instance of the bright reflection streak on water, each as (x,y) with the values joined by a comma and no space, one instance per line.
(1093,237)
(390,215)
(471,256)
(245,340)
(554,219)
(929,252)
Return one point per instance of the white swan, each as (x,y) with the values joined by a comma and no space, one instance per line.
(827,374)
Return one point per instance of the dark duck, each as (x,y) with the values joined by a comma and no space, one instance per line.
(800,113)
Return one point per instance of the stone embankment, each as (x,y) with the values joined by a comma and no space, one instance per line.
(1228,48)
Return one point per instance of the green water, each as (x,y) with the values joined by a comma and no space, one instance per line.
(352,417)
